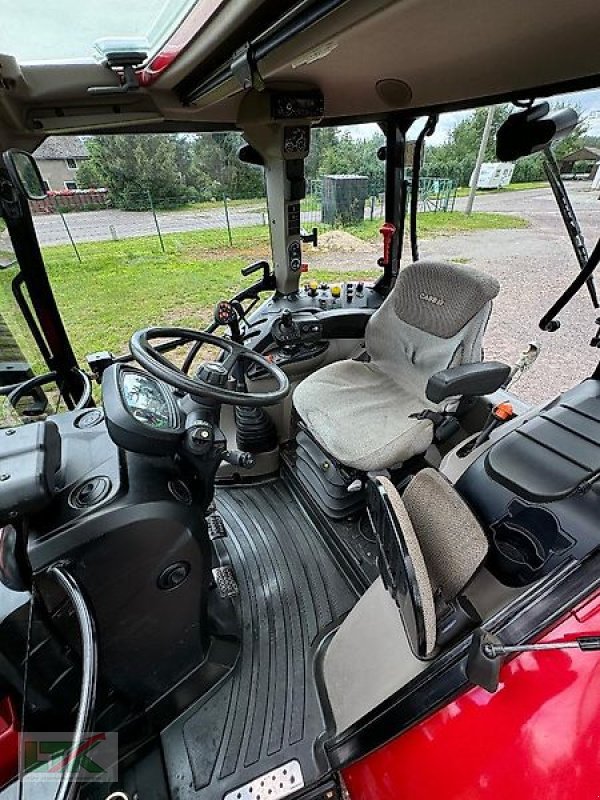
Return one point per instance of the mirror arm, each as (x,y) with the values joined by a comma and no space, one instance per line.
(569,217)
(549,322)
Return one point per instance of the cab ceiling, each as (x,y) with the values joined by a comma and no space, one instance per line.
(436,53)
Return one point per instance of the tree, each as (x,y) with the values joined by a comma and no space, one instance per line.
(216,157)
(336,152)
(134,167)
(456,158)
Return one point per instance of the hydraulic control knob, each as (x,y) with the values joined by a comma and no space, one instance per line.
(286,318)
(313,287)
(227,314)
(336,291)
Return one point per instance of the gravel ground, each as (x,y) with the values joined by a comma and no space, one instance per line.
(533,266)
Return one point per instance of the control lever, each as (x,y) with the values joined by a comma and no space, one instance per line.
(287,319)
(388,231)
(251,268)
(500,414)
(227,313)
(239,458)
(310,238)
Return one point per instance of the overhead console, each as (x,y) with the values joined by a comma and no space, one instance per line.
(276,124)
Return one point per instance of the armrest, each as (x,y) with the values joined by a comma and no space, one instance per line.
(468,380)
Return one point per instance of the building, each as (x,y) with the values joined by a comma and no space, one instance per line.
(58,158)
(587,159)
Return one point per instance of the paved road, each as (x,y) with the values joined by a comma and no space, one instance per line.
(533,266)
(97,226)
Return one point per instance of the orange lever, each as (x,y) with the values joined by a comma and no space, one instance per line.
(503,411)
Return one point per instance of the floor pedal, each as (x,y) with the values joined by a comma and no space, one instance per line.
(227,585)
(274,785)
(216,527)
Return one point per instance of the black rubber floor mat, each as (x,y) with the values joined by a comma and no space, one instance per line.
(267,713)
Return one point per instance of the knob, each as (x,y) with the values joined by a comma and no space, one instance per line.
(312,288)
(336,291)
(359,287)
(213,372)
(286,318)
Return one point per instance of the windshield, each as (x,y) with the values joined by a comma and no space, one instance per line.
(61,30)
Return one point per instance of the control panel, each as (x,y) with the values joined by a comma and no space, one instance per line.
(321,296)
(308,104)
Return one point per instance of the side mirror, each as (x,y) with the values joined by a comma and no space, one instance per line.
(25,174)
(532,130)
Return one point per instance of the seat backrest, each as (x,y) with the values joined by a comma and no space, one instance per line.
(434,318)
(430,545)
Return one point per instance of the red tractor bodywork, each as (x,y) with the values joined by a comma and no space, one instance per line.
(538,736)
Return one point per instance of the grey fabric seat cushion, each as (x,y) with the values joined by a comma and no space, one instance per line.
(361,416)
(451,539)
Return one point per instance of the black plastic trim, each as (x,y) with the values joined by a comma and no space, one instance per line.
(262,45)
(344,323)
(532,613)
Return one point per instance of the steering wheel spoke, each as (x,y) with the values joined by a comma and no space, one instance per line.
(231,360)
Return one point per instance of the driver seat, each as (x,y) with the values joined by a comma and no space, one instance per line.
(359,411)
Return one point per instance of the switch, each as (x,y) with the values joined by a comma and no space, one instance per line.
(336,291)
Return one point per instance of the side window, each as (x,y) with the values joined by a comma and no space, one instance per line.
(71,163)
(71,185)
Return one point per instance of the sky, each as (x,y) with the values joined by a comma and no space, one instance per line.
(588,102)
(67,29)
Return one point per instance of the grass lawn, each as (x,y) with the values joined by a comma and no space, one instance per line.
(463,191)
(211,205)
(129,284)
(431,224)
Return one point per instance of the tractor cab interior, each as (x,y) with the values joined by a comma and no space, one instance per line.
(261,563)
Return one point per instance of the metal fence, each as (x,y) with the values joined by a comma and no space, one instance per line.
(65,224)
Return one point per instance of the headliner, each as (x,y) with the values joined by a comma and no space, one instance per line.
(443,55)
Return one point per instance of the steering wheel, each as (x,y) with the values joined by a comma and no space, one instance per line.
(213,377)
